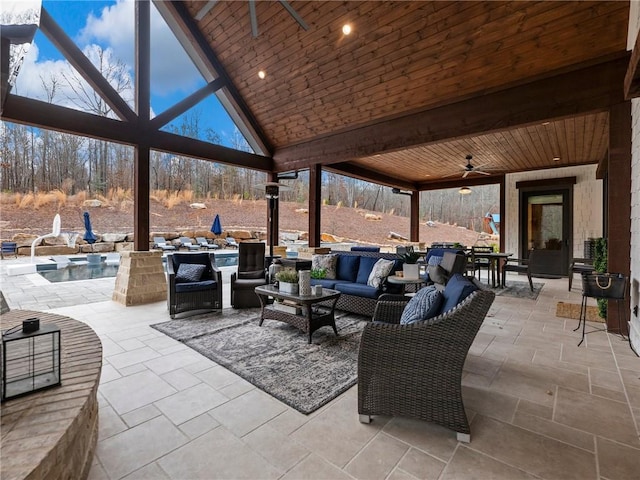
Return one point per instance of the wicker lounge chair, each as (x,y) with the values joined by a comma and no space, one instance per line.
(204,293)
(415,370)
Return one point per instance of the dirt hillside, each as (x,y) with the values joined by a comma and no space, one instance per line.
(346,223)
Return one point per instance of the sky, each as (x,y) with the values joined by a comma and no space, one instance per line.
(108,27)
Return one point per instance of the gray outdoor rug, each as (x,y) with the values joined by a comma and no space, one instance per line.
(519,290)
(276,357)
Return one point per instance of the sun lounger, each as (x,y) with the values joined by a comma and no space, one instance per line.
(188,243)
(205,244)
(231,242)
(161,243)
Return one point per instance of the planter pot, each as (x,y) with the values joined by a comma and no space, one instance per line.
(411,271)
(285,287)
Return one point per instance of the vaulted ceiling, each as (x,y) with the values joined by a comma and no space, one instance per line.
(418,85)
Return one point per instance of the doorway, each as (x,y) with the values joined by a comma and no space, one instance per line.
(546,225)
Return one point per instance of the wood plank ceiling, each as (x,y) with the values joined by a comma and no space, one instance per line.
(409,57)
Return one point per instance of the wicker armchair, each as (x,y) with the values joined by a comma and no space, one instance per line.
(415,370)
(184,296)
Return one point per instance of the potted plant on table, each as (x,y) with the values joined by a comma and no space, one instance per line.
(287,281)
(410,267)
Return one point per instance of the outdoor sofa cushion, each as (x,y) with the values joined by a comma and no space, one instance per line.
(381,270)
(189,272)
(358,290)
(327,263)
(364,269)
(458,288)
(195,286)
(347,267)
(327,283)
(424,305)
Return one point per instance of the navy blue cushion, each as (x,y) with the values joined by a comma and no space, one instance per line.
(358,248)
(366,265)
(424,305)
(196,286)
(358,289)
(189,272)
(458,288)
(327,283)
(347,268)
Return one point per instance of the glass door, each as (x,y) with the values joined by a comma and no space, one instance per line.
(546,227)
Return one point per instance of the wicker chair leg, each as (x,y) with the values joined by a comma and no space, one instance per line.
(364,418)
(463,437)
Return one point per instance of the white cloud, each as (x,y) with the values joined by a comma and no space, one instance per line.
(171,69)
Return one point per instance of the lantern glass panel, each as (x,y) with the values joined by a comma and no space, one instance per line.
(30,361)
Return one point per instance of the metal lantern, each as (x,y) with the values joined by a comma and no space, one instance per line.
(30,358)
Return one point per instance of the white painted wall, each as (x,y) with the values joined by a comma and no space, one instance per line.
(634,27)
(587,205)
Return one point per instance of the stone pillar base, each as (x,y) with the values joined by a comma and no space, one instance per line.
(141,278)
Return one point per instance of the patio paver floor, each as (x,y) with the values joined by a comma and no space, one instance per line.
(541,407)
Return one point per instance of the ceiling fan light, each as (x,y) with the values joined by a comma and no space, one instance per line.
(464,191)
(346,29)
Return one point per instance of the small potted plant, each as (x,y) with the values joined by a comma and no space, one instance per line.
(287,281)
(318,273)
(410,267)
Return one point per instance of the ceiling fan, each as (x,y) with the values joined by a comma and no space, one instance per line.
(470,168)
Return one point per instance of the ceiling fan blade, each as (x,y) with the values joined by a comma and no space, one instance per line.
(478,167)
(464,175)
(481,172)
(450,175)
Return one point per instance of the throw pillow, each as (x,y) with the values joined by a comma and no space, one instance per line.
(434,260)
(327,262)
(381,270)
(424,305)
(189,272)
(438,274)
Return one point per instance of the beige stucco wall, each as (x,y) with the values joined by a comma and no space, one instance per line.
(634,27)
(587,205)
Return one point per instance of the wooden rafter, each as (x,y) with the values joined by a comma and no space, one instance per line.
(537,101)
(632,78)
(185,104)
(177,16)
(81,63)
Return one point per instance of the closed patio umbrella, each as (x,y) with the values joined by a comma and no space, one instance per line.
(89,236)
(216,228)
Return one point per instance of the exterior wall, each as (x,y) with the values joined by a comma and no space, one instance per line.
(634,327)
(587,205)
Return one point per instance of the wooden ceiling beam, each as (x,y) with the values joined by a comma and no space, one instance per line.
(588,89)
(40,114)
(183,25)
(367,175)
(460,182)
(186,103)
(632,77)
(84,67)
(29,111)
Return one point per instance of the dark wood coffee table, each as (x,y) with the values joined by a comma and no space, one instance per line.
(311,319)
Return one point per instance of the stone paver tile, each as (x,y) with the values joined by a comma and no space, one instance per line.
(247,412)
(280,450)
(514,446)
(138,446)
(190,403)
(217,454)
(199,425)
(617,460)
(378,458)
(132,392)
(466,465)
(418,464)
(315,468)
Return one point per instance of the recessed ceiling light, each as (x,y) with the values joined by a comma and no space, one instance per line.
(545,123)
(346,29)
(261,74)
(556,159)
(464,191)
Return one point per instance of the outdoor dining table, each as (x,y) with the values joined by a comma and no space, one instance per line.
(496,260)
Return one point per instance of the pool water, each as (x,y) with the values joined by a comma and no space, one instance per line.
(74,272)
(77,269)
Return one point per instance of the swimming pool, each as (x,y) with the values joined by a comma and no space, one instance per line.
(79,269)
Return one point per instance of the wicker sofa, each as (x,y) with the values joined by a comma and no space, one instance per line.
(415,370)
(353,268)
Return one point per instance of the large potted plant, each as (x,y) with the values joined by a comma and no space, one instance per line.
(287,281)
(410,267)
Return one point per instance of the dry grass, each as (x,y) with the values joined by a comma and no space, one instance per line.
(25,201)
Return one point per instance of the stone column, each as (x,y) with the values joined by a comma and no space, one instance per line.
(141,278)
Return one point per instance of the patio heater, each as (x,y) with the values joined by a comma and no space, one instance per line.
(272,192)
